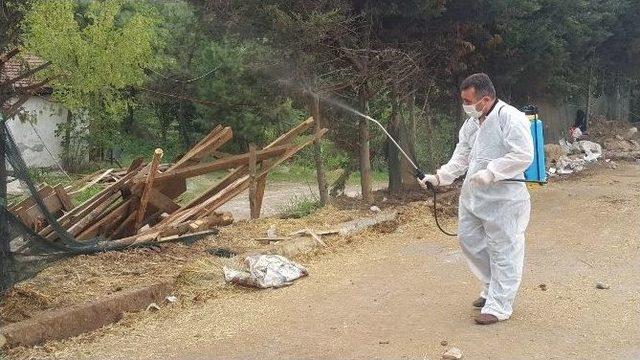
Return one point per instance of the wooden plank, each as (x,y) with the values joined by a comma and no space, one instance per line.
(252,181)
(92,182)
(206,207)
(144,199)
(201,208)
(209,205)
(226,163)
(186,236)
(157,199)
(112,217)
(135,164)
(173,188)
(97,212)
(86,207)
(242,185)
(127,223)
(241,171)
(65,199)
(199,144)
(208,147)
(44,191)
(292,134)
(33,217)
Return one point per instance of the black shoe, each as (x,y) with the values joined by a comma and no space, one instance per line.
(479,302)
(486,319)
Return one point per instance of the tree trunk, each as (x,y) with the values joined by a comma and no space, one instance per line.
(411,103)
(408,142)
(317,152)
(393,160)
(589,91)
(407,172)
(365,160)
(431,157)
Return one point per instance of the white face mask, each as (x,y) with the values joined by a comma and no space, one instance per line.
(471,111)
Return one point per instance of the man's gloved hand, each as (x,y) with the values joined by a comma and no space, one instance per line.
(482,178)
(428,178)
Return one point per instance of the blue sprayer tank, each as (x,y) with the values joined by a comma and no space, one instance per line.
(537,171)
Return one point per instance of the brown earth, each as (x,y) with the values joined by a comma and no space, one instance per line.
(400,295)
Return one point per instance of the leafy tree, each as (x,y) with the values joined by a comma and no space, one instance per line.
(97,51)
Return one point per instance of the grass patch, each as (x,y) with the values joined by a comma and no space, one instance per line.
(85,195)
(300,207)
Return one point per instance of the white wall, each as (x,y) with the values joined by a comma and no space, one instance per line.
(47,116)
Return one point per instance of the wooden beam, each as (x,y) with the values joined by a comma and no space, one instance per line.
(233,184)
(252,181)
(44,191)
(126,224)
(76,228)
(144,199)
(158,200)
(240,185)
(211,144)
(34,214)
(292,134)
(65,199)
(86,207)
(226,163)
(241,171)
(109,219)
(92,182)
(135,164)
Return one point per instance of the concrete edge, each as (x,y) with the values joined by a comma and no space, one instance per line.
(77,319)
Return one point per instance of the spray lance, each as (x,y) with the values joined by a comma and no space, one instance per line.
(418,173)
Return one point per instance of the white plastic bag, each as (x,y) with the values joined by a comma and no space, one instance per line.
(266,271)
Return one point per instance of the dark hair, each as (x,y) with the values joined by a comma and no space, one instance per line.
(481,83)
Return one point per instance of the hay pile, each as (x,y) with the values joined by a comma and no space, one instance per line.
(86,277)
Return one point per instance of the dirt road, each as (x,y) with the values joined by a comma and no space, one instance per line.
(401,295)
(281,195)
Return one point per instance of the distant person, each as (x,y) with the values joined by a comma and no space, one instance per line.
(494,144)
(581,121)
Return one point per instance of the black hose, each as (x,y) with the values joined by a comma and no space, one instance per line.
(435,210)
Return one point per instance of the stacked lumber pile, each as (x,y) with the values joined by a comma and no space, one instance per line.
(140,205)
(56,200)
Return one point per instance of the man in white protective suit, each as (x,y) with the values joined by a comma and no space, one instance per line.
(494,145)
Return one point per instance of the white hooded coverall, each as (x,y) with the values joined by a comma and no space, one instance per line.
(493,218)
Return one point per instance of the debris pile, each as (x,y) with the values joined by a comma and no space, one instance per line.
(611,140)
(140,205)
(619,139)
(567,158)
